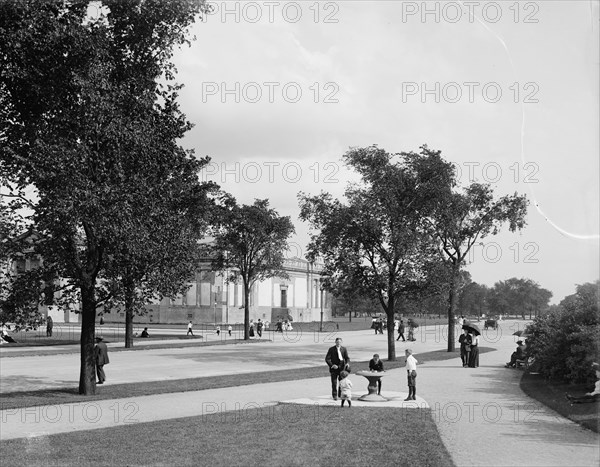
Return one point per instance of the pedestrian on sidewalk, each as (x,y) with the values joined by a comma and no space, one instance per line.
(101,354)
(218,330)
(49,326)
(474,357)
(411,373)
(229,329)
(465,340)
(401,331)
(189,329)
(345,388)
(259,328)
(338,360)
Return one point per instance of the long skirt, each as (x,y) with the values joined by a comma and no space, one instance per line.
(474,357)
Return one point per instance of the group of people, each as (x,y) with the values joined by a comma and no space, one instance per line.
(469,349)
(338,361)
(283,325)
(260,325)
(402,328)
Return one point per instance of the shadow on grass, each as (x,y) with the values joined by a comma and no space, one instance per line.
(32,398)
(552,394)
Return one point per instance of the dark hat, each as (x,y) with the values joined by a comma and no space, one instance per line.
(98,338)
(519,342)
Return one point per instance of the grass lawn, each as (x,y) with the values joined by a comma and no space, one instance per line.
(16,400)
(552,394)
(282,435)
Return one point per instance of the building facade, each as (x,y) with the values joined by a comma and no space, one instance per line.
(212,299)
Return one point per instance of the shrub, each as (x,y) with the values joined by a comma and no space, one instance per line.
(565,341)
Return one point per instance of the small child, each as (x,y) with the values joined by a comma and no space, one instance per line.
(411,373)
(345,388)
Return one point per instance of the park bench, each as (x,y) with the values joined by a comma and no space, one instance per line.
(524,362)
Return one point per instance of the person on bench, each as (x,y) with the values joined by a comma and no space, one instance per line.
(518,354)
(593,396)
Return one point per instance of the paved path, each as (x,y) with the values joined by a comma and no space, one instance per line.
(482,415)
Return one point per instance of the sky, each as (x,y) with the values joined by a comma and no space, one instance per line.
(508,91)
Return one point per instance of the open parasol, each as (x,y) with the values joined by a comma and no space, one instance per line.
(472,328)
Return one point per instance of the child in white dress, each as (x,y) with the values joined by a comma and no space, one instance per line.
(345,388)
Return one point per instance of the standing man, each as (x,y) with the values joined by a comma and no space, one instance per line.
(101,354)
(229,329)
(190,331)
(338,360)
(259,328)
(49,326)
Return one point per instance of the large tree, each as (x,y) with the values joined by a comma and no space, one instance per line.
(81,107)
(250,242)
(463,217)
(518,296)
(376,239)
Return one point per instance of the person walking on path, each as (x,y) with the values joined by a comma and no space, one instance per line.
(411,373)
(259,328)
(101,354)
(229,329)
(474,357)
(338,360)
(345,388)
(465,341)
(49,326)
(189,329)
(375,364)
(218,330)
(401,331)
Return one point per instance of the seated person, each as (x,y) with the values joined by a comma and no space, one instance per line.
(145,333)
(375,364)
(593,396)
(5,337)
(519,354)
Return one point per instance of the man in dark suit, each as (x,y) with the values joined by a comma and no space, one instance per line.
(338,360)
(101,353)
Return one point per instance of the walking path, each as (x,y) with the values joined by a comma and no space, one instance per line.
(482,415)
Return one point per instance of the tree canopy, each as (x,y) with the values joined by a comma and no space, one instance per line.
(376,241)
(89,118)
(250,242)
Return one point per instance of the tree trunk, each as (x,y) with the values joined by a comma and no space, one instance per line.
(454,278)
(87,374)
(246,312)
(390,329)
(129,291)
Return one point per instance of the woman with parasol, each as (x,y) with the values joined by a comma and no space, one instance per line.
(475,333)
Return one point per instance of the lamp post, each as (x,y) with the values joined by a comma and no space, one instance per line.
(321,288)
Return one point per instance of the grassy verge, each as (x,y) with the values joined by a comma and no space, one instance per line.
(16,400)
(289,435)
(552,394)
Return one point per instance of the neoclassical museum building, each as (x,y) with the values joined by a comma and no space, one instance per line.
(211,299)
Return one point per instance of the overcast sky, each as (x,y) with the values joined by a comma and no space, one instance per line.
(508,91)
